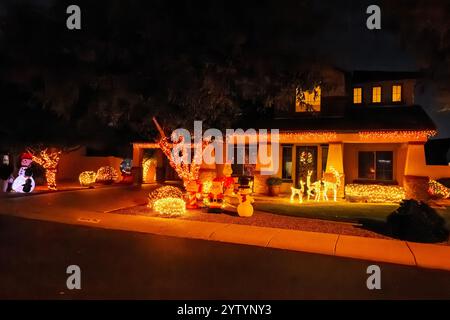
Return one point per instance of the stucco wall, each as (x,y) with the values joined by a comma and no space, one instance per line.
(351,158)
(73,163)
(416,164)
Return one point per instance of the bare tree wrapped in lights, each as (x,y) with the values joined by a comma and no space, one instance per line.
(186,171)
(49,160)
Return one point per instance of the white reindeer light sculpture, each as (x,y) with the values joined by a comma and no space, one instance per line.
(331,180)
(299,192)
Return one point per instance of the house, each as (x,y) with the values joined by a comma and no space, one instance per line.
(364,124)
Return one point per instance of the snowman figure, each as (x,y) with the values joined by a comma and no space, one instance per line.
(24,183)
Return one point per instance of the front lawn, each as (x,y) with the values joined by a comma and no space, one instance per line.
(336,211)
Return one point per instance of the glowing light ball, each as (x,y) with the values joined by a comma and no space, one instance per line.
(164,192)
(87,178)
(125,166)
(106,174)
(170,206)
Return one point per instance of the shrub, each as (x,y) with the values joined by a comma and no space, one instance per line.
(164,192)
(374,193)
(416,221)
(444,181)
(87,178)
(274,181)
(106,174)
(170,206)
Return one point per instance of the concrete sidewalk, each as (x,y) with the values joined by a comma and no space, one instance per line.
(66,208)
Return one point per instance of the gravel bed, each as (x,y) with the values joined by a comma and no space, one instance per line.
(264,219)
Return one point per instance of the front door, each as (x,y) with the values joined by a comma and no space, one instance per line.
(306,160)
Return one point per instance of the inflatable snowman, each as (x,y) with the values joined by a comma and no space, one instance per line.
(24,183)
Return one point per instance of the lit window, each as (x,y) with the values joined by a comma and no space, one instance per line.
(308,101)
(357,95)
(376,165)
(376,94)
(396,93)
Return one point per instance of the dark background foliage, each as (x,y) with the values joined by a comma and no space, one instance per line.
(216,61)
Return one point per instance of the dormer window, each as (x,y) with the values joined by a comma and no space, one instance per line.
(357,95)
(376,94)
(396,93)
(307,101)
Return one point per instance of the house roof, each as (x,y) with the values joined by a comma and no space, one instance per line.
(362,76)
(353,119)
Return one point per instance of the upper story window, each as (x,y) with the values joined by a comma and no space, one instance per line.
(396,93)
(357,95)
(376,94)
(308,101)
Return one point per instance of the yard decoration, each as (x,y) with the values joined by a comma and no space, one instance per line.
(299,192)
(170,206)
(106,175)
(216,197)
(164,192)
(24,183)
(245,208)
(331,180)
(228,181)
(312,189)
(48,159)
(193,189)
(438,190)
(87,178)
(6,170)
(125,170)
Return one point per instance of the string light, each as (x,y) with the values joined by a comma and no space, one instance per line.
(397,134)
(106,174)
(87,178)
(438,190)
(49,161)
(170,206)
(164,192)
(146,165)
(375,192)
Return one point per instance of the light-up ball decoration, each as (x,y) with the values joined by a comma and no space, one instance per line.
(164,192)
(170,206)
(106,175)
(87,178)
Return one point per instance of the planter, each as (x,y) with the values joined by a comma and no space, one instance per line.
(274,191)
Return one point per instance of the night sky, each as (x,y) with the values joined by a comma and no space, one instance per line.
(157,54)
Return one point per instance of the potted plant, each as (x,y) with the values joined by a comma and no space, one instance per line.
(274,185)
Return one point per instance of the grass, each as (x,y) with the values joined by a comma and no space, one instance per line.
(336,211)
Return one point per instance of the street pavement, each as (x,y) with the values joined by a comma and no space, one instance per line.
(116,264)
(34,256)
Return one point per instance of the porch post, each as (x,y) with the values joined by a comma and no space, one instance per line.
(335,159)
(136,171)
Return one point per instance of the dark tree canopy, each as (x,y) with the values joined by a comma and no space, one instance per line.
(216,61)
